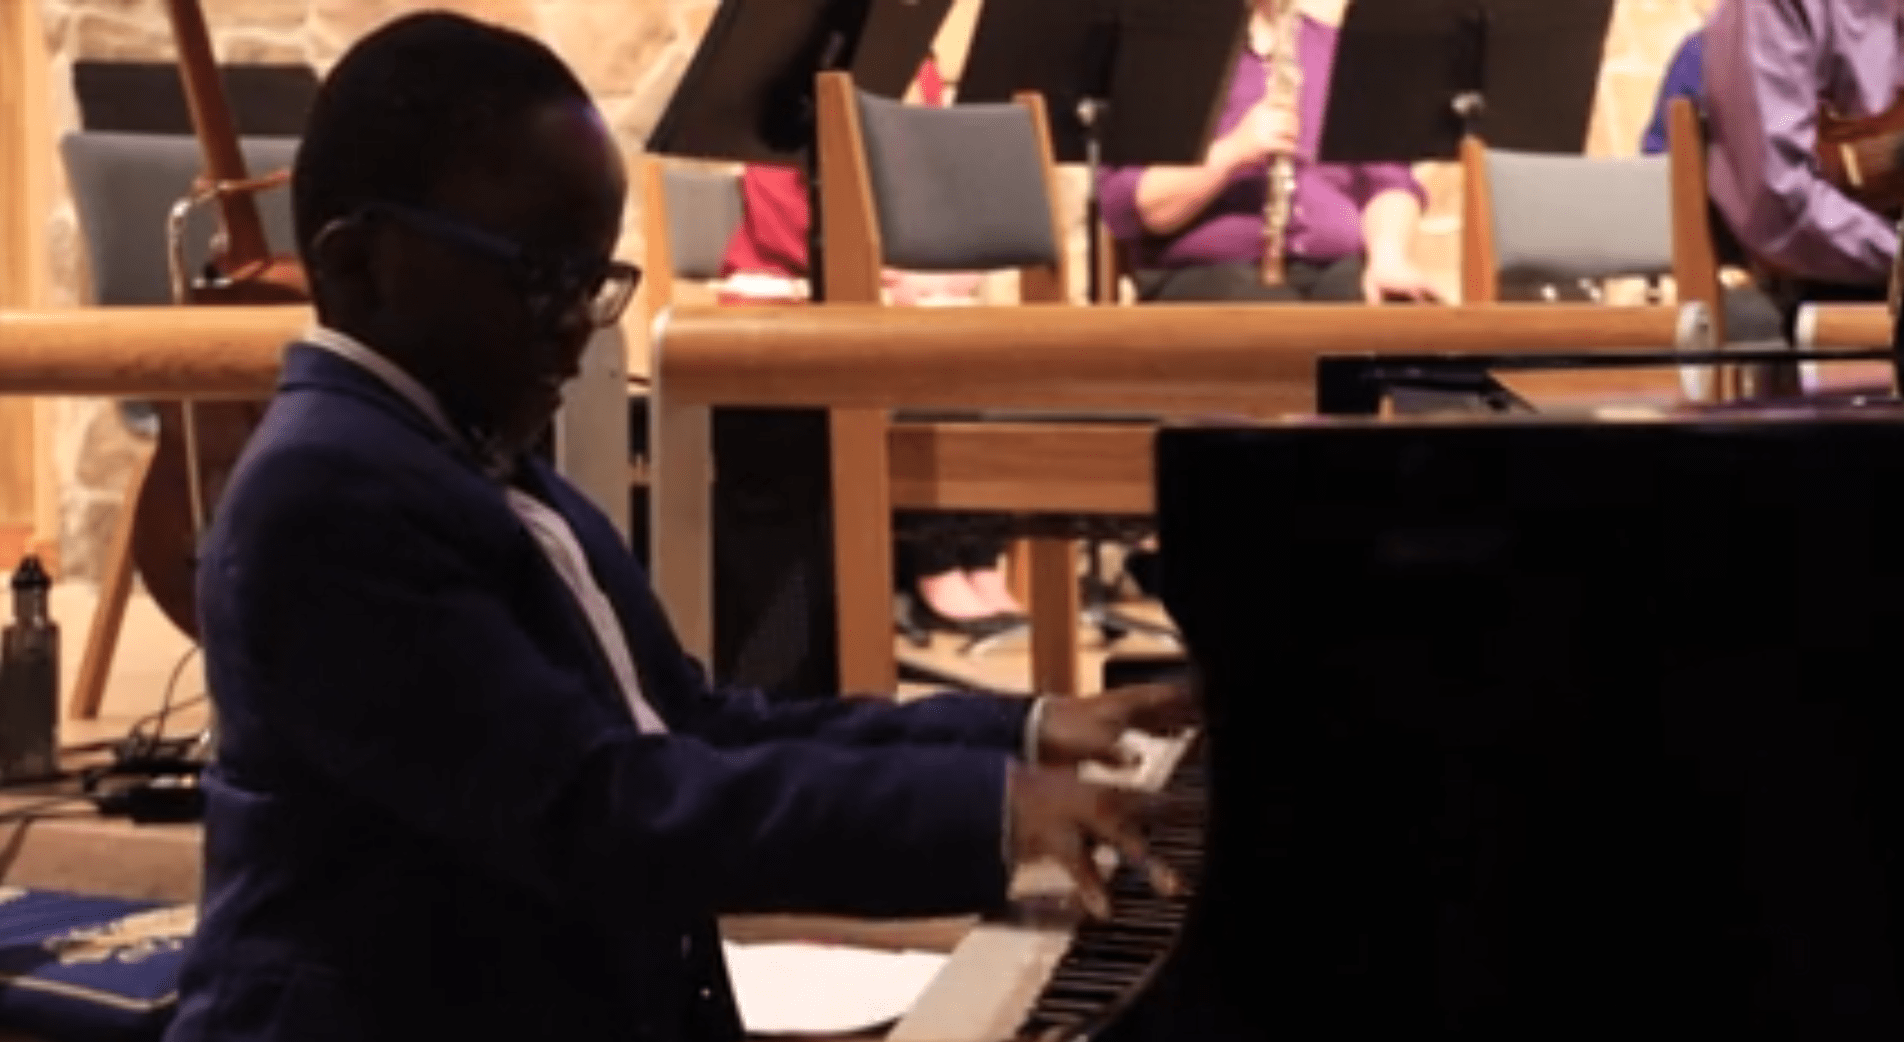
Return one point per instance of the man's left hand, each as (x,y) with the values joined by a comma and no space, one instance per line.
(1395,278)
(1076,730)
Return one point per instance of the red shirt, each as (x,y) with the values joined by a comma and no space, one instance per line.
(772,237)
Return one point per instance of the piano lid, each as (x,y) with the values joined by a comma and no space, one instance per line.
(1542,728)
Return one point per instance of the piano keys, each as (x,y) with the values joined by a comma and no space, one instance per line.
(1107,961)
(1045,967)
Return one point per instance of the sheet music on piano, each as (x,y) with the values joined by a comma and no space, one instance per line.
(999,970)
(792,988)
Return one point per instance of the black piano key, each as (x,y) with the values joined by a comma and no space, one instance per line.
(1090,974)
(1070,1008)
(1072,991)
(1114,954)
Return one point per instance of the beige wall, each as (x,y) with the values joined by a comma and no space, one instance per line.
(630,52)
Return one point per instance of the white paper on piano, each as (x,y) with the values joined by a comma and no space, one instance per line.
(825,989)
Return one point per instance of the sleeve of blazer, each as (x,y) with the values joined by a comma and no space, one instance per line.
(733,716)
(391,663)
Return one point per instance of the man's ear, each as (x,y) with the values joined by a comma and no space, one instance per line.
(342,257)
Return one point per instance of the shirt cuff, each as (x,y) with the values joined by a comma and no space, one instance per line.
(1029,754)
(1034,722)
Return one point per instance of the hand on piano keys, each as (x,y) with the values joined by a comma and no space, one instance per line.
(1057,815)
(1041,968)
(1096,730)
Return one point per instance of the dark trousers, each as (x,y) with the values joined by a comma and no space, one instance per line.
(1752,316)
(1751,311)
(1338,281)
(774,626)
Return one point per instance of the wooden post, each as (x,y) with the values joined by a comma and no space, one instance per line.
(862,500)
(1054,603)
(1054,596)
(1480,283)
(1695,260)
(28,502)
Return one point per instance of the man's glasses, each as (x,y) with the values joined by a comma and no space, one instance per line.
(550,284)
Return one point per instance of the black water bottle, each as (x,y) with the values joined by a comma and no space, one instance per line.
(29,681)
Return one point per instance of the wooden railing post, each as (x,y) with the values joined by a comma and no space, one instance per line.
(29,509)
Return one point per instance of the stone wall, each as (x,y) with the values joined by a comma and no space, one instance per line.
(630,52)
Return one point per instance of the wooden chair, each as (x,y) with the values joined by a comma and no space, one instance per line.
(688,215)
(1114,266)
(919,188)
(124,188)
(1560,220)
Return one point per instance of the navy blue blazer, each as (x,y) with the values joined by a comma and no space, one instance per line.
(431,814)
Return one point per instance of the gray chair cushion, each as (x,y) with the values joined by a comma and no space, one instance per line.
(1571,217)
(704,209)
(124,186)
(958,189)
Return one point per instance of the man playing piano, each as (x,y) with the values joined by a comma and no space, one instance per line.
(1769,64)
(467,784)
(1198,232)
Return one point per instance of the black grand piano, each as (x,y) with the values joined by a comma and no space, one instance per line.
(1520,729)
(1543,729)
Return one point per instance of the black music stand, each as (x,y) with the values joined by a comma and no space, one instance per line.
(1124,81)
(149,98)
(1413,77)
(748,94)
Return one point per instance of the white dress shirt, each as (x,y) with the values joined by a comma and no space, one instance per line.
(549,529)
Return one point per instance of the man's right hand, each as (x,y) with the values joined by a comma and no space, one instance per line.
(1266,130)
(1057,815)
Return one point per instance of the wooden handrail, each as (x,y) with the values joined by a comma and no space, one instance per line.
(1844,326)
(174,352)
(1161,358)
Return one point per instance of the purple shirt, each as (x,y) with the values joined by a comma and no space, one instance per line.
(1768,65)
(1326,216)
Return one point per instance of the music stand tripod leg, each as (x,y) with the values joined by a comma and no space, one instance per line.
(109,614)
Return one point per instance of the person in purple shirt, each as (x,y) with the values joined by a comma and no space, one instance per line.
(1196,232)
(1768,66)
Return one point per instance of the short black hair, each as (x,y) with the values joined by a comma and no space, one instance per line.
(415,99)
